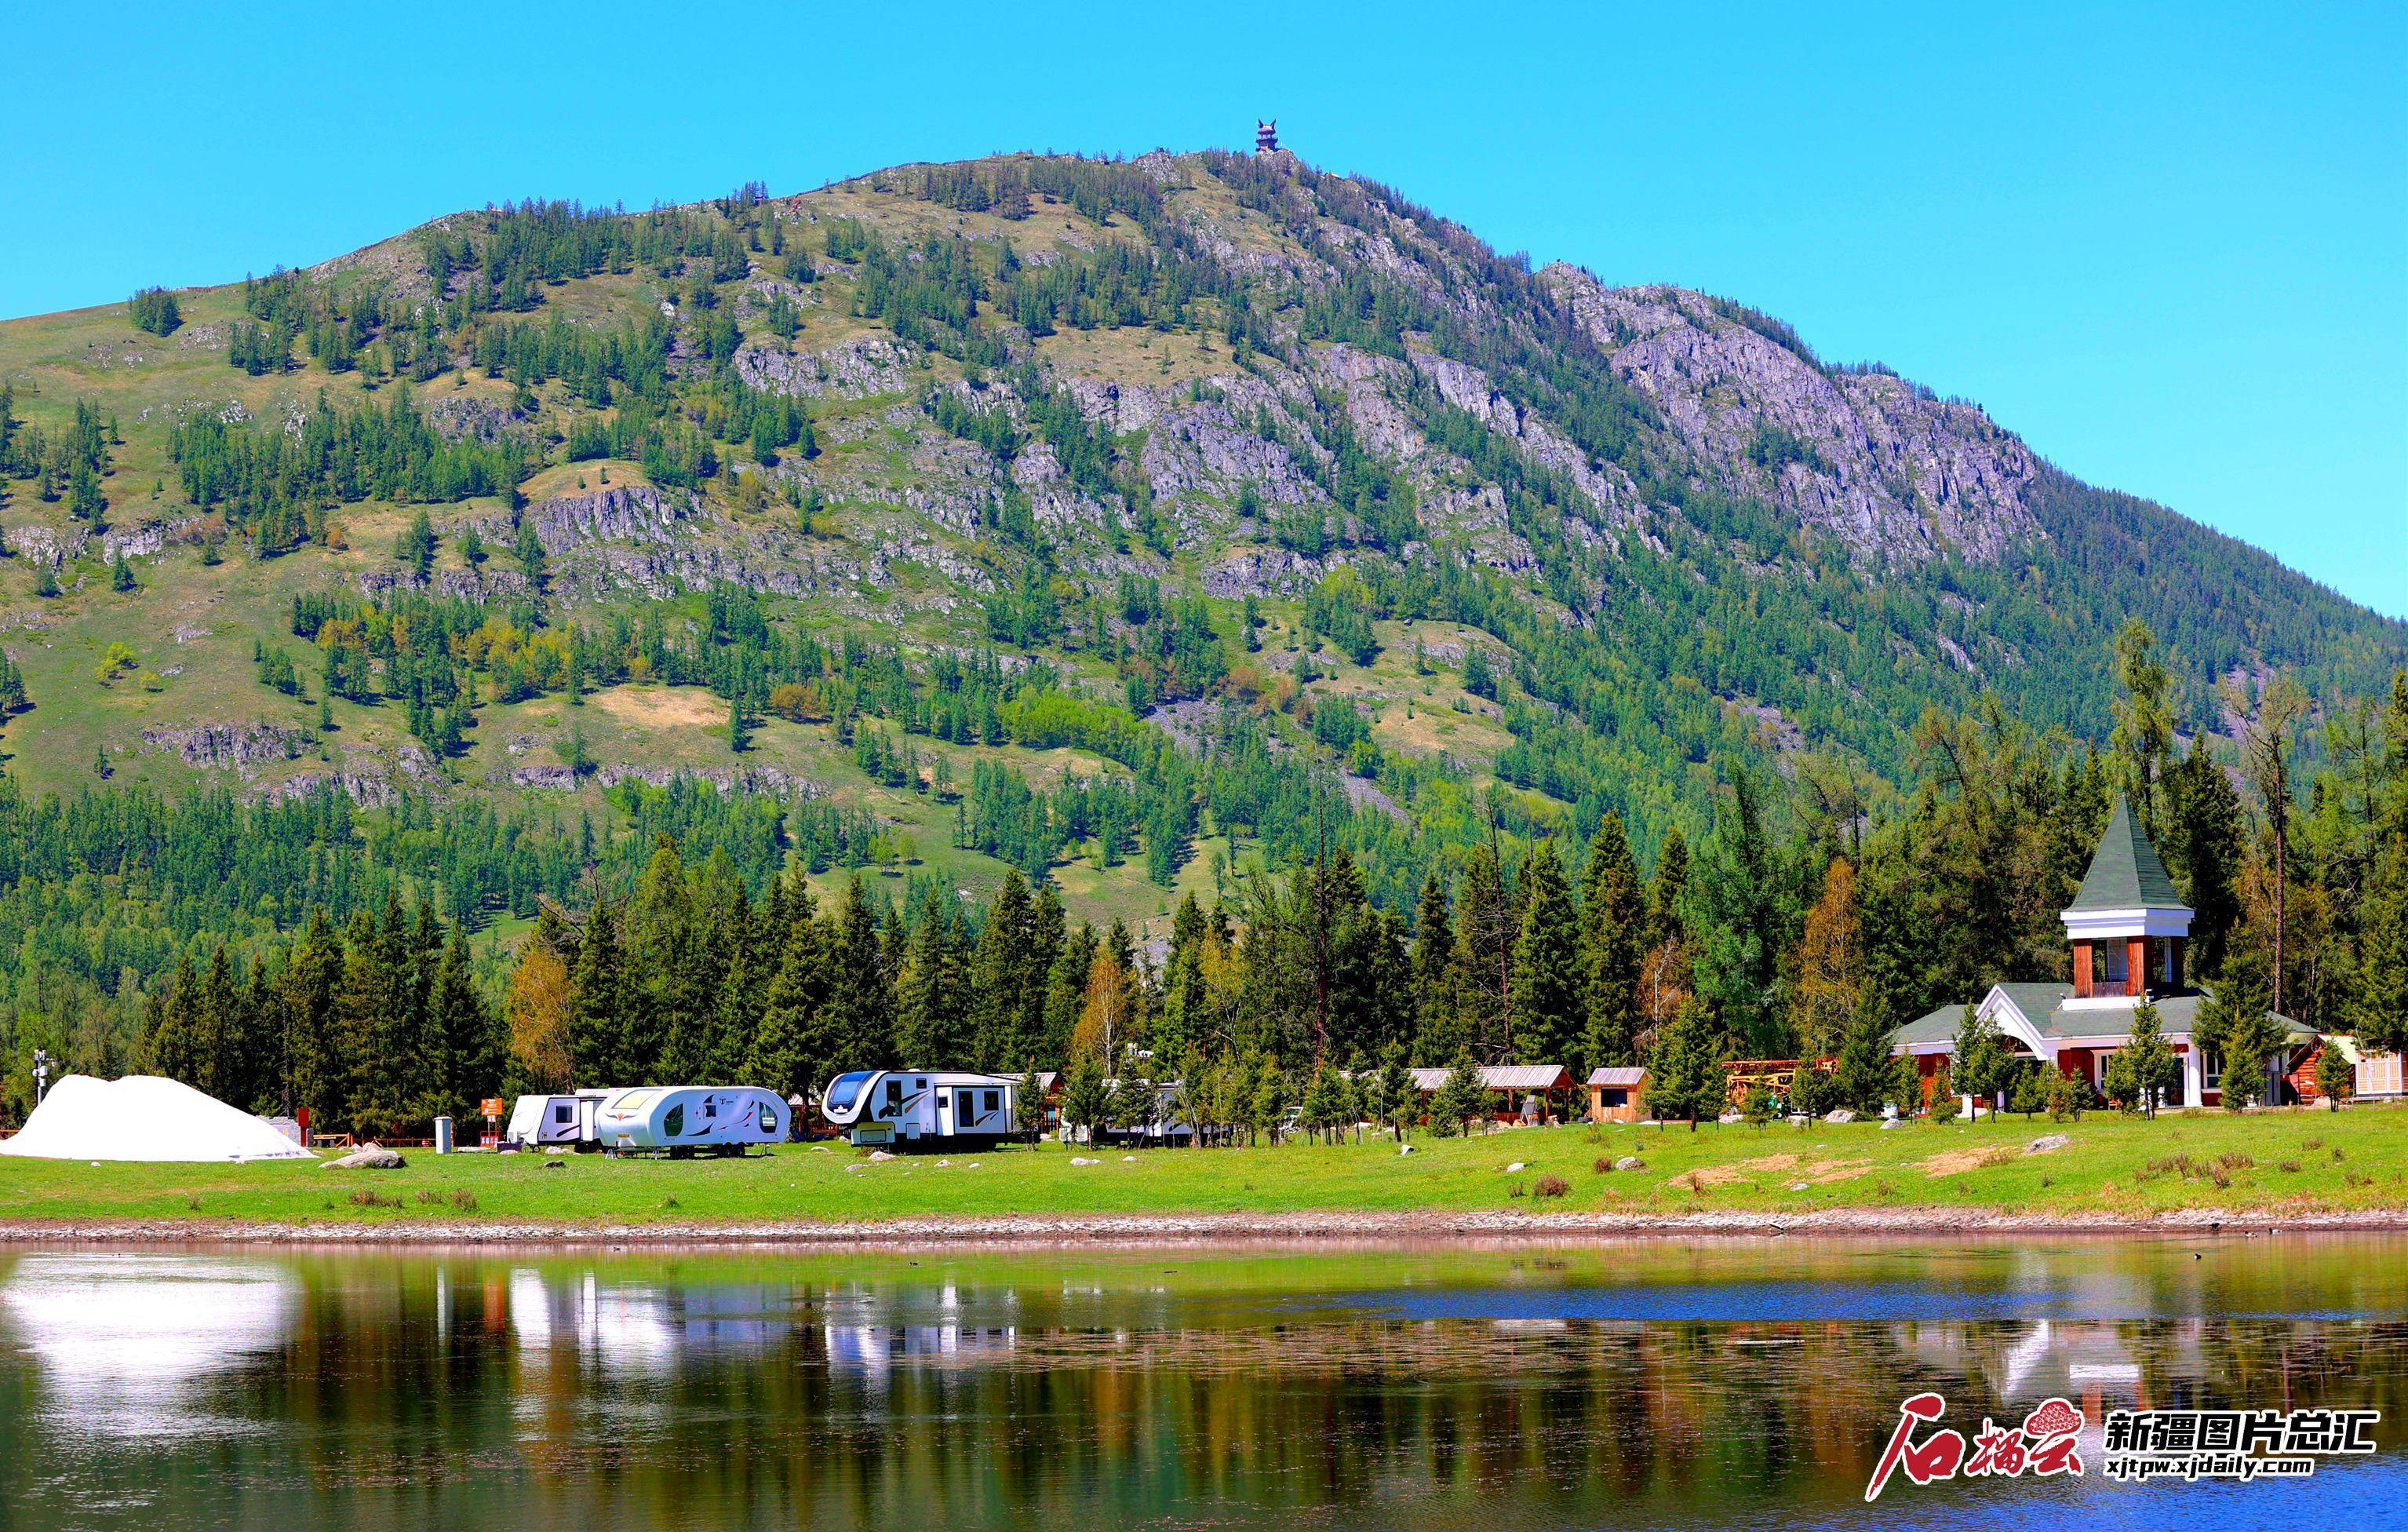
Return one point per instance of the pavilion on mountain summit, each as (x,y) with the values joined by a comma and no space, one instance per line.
(2127,930)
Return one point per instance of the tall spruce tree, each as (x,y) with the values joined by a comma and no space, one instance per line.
(1687,1077)
(597,1012)
(1613,919)
(860,996)
(1434,1037)
(1546,995)
(798,1041)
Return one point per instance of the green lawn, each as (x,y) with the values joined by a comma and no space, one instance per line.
(2281,1165)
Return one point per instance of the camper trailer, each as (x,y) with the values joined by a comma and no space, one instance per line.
(910,1108)
(554,1122)
(679,1121)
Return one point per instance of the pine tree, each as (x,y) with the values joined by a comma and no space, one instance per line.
(1481,976)
(1983,1062)
(860,997)
(797,1038)
(2237,1022)
(320,1071)
(2207,841)
(1613,916)
(2378,1009)
(168,1042)
(931,1004)
(472,1042)
(2336,1081)
(415,549)
(2146,1069)
(1086,1105)
(1687,1077)
(2143,736)
(528,551)
(1029,1103)
(598,1010)
(998,969)
(1866,1076)
(1460,1098)
(1546,994)
(1433,956)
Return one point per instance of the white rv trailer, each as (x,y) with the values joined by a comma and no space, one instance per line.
(544,1121)
(914,1109)
(684,1119)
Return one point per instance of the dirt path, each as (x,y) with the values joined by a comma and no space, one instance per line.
(1208,1228)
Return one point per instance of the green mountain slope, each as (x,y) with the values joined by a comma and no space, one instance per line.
(1130,522)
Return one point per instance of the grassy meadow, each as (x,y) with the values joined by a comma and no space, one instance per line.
(2272,1165)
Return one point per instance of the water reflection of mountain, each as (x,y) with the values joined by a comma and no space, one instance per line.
(125,1342)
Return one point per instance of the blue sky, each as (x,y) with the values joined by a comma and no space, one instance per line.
(2167,245)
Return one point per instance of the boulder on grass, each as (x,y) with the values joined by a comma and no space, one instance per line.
(367,1156)
(2046,1142)
(1630,1162)
(1840,1115)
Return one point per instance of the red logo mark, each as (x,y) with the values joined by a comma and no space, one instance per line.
(2043,1445)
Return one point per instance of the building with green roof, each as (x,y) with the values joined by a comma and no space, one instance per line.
(2125,930)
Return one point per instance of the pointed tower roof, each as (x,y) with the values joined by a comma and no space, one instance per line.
(2124,872)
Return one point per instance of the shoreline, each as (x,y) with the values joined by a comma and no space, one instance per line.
(1192,1229)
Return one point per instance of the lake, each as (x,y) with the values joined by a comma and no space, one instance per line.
(1724,1383)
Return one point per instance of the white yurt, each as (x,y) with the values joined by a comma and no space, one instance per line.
(144,1116)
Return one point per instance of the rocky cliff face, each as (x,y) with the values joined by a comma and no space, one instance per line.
(1867,457)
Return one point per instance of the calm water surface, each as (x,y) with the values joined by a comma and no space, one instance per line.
(1729,1383)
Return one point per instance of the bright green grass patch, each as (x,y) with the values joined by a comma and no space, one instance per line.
(2274,1164)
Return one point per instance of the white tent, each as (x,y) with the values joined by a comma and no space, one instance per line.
(144,1116)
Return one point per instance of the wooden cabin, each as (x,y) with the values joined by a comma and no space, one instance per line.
(1617,1096)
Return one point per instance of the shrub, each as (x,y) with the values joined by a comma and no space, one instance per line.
(365,1198)
(1550,1186)
(1603,1165)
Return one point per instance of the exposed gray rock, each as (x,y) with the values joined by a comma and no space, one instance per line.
(859,368)
(241,746)
(2046,1142)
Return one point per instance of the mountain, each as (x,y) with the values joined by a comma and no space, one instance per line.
(1130,522)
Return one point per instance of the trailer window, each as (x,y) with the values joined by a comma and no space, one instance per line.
(994,1102)
(894,1095)
(844,1088)
(674,1123)
(563,1113)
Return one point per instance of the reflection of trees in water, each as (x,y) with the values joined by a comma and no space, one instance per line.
(569,1392)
